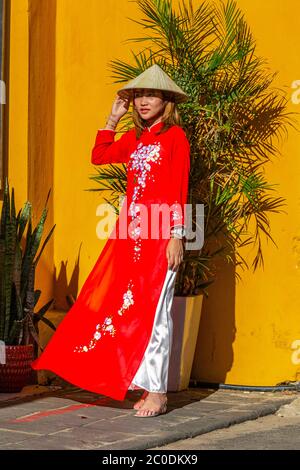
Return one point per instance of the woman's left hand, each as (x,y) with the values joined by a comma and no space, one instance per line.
(174,253)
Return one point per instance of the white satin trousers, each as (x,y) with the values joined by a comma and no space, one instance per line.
(152,374)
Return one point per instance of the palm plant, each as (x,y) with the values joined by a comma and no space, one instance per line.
(113,179)
(232,120)
(18,261)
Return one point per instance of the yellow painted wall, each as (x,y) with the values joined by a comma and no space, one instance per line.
(86,40)
(18,100)
(60,63)
(250,330)
(30,157)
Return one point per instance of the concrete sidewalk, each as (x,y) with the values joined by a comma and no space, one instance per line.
(72,418)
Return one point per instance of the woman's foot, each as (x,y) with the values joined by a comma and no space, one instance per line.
(140,402)
(154,405)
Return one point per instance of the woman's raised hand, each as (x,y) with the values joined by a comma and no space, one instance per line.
(119,108)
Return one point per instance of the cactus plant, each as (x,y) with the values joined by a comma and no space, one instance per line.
(18,261)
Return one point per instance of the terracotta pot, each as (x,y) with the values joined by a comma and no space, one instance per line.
(186,314)
(17,371)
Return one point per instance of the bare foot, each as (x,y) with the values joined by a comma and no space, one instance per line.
(154,403)
(140,402)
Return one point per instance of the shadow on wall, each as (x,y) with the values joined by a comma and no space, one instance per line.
(65,293)
(214,353)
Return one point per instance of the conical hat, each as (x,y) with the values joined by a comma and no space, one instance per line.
(153,77)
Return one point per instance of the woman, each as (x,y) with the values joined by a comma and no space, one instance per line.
(117,336)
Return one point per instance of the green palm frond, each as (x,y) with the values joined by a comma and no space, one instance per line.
(112,179)
(234,120)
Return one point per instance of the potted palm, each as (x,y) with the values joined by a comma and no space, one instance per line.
(232,120)
(18,298)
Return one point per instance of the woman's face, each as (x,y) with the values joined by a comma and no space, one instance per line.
(149,103)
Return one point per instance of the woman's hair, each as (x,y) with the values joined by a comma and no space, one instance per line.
(170,116)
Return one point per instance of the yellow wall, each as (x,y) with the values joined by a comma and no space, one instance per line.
(86,40)
(60,94)
(30,153)
(18,100)
(249,329)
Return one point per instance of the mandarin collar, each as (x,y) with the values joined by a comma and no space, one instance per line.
(153,128)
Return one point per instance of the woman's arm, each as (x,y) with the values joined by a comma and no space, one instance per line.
(179,183)
(106,149)
(109,150)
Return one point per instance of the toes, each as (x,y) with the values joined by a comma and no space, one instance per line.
(145,412)
(142,412)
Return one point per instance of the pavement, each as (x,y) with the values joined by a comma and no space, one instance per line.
(66,417)
(279,431)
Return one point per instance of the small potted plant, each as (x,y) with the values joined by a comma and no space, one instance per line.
(19,339)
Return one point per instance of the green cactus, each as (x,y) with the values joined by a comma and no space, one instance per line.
(18,261)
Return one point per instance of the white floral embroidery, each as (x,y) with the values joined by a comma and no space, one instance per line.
(107,326)
(140,163)
(128,300)
(176,213)
(135,229)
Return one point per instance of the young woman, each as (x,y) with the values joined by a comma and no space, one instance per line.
(118,334)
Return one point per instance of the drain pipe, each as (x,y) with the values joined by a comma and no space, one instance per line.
(293,386)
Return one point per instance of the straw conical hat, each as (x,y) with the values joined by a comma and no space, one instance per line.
(153,77)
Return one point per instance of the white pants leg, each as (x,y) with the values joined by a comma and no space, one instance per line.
(152,374)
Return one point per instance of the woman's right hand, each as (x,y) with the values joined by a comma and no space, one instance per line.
(119,108)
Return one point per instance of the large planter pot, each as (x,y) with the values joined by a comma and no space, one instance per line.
(17,371)
(186,314)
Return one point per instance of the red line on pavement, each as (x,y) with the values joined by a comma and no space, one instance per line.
(57,411)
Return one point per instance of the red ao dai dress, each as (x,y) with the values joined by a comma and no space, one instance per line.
(117,336)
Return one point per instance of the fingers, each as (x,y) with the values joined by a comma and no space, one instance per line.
(178,262)
(125,99)
(174,261)
(169,260)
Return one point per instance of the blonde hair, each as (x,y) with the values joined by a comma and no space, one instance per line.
(170,116)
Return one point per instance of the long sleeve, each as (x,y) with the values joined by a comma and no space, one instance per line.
(179,181)
(108,150)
